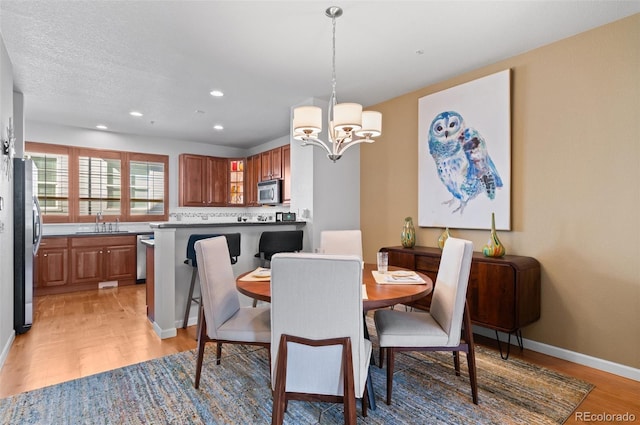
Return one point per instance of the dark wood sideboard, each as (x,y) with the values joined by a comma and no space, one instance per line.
(503,293)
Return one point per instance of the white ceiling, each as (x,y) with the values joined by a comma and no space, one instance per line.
(83,63)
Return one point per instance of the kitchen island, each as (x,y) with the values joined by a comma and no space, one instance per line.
(172,276)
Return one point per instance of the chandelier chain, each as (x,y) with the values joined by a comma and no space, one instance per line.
(333,64)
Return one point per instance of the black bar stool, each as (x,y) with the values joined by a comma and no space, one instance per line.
(277,241)
(233,243)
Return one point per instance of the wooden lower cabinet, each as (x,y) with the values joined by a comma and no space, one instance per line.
(103,258)
(81,263)
(503,293)
(51,266)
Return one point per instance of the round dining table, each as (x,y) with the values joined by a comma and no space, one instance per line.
(378,295)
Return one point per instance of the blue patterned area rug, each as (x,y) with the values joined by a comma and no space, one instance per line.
(426,391)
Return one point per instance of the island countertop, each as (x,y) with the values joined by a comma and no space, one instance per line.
(205,223)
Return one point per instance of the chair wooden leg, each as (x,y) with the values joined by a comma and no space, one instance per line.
(390,361)
(471,354)
(218,352)
(279,396)
(202,340)
(456,362)
(380,365)
(365,397)
(349,395)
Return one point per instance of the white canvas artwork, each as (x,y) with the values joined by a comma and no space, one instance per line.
(464,137)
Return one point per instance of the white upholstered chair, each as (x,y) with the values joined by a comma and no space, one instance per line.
(223,320)
(341,242)
(317,339)
(442,327)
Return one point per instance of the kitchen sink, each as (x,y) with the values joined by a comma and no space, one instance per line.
(93,232)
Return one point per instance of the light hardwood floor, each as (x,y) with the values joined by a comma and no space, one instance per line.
(84,333)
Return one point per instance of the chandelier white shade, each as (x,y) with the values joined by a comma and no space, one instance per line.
(348,124)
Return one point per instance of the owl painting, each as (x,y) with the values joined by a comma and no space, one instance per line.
(462,160)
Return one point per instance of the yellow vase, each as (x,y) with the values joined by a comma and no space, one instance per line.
(443,238)
(494,247)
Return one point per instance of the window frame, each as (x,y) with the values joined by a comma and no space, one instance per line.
(74,184)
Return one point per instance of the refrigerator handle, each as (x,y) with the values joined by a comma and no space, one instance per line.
(37,226)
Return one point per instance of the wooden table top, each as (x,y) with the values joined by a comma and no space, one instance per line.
(379,295)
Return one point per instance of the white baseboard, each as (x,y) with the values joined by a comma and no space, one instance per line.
(193,320)
(164,333)
(7,347)
(561,353)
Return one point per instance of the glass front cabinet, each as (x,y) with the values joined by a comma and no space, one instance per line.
(236,187)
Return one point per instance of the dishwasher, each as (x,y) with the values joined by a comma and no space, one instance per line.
(141,259)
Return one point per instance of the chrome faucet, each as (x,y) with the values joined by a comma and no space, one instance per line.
(98,219)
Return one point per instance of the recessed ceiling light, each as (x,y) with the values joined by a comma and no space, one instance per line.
(216,93)
(199,111)
(218,127)
(101,127)
(135,114)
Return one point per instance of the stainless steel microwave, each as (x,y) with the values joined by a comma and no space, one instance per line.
(269,192)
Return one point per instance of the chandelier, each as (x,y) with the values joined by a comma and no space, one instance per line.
(348,124)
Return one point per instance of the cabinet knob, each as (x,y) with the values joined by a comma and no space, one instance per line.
(109,252)
(44,255)
(100,252)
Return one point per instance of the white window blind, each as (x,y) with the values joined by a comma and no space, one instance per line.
(99,186)
(53,182)
(146,188)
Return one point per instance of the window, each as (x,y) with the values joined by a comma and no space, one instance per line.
(75,184)
(147,188)
(99,183)
(53,183)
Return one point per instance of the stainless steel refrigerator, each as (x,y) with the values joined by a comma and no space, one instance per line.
(27,233)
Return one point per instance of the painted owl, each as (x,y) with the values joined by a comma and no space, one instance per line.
(462,160)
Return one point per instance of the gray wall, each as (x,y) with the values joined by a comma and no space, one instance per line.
(6,214)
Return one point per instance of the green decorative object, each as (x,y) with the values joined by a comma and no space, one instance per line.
(494,247)
(408,236)
(443,238)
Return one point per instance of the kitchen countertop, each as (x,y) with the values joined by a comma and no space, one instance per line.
(66,233)
(204,223)
(93,234)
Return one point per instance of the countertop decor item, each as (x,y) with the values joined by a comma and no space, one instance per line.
(443,238)
(494,247)
(408,236)
(348,125)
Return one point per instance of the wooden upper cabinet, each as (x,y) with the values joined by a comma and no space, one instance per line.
(217,182)
(254,175)
(249,182)
(207,181)
(271,161)
(286,174)
(193,176)
(203,181)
